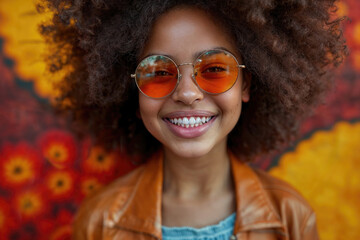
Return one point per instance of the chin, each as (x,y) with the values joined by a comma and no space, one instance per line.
(193,151)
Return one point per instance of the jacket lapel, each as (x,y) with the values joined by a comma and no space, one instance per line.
(254,209)
(143,211)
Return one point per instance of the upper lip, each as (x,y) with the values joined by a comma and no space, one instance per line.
(192,113)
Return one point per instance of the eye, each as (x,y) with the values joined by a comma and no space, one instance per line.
(214,69)
(162,73)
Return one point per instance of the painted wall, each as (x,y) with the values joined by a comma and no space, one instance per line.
(45,171)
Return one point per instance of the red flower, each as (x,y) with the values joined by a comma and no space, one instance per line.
(61,233)
(30,204)
(105,165)
(58,147)
(95,160)
(60,184)
(89,184)
(19,165)
(51,228)
(7,221)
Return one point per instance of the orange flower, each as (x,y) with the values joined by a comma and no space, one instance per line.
(95,160)
(99,160)
(105,165)
(60,184)
(89,185)
(58,147)
(19,165)
(30,204)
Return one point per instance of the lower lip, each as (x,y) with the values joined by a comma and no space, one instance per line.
(190,132)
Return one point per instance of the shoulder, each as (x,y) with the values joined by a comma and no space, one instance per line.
(280,190)
(292,208)
(89,218)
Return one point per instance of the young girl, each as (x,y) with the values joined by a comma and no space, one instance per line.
(196,88)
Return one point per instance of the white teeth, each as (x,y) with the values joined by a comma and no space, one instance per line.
(186,121)
(190,122)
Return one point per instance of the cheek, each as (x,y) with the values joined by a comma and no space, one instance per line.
(148,111)
(236,111)
(231,101)
(144,108)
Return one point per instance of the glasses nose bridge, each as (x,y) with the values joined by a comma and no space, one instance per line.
(187,64)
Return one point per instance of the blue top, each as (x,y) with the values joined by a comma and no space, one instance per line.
(221,231)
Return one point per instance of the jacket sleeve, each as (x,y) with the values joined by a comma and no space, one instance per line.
(309,230)
(88,223)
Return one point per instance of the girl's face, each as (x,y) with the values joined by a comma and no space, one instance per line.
(182,34)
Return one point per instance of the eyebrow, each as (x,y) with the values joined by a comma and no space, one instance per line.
(195,55)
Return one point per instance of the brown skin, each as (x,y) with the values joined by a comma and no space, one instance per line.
(197,174)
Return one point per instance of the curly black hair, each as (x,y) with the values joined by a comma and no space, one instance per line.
(288,47)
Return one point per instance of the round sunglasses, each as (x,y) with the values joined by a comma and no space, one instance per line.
(215,72)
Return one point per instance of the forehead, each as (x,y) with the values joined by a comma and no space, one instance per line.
(181,32)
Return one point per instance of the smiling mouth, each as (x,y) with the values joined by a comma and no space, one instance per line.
(190,122)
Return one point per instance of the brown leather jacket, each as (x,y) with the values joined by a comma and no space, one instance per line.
(130,208)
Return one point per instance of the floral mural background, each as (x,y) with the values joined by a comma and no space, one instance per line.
(45,171)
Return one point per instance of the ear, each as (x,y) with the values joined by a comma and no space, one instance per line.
(245,96)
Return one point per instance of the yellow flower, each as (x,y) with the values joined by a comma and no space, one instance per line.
(325,169)
(24,44)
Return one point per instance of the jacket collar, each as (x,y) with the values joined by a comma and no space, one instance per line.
(143,211)
(254,209)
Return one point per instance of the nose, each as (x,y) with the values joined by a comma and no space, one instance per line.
(187,90)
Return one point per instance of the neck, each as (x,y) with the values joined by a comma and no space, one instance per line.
(197,178)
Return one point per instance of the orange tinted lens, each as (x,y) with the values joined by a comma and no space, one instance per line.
(216,71)
(156,76)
